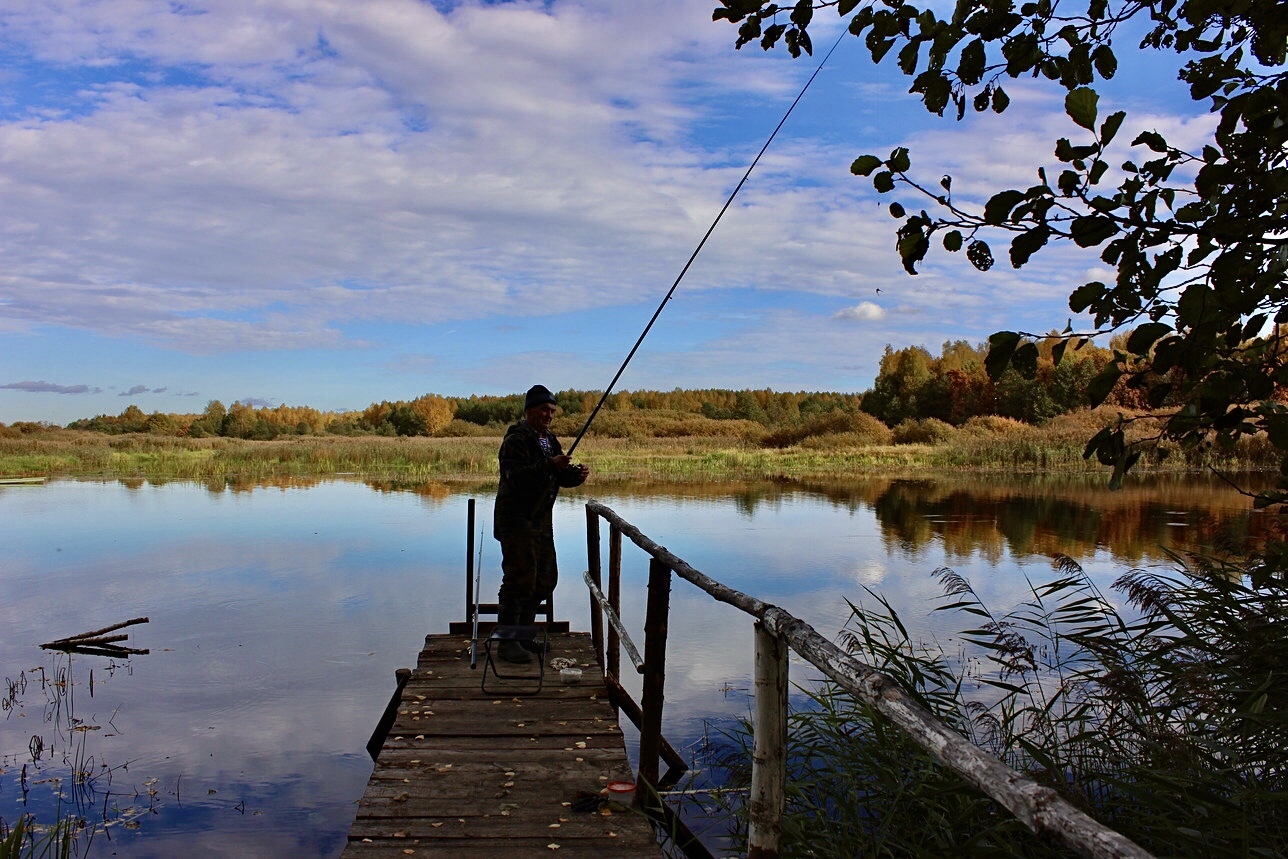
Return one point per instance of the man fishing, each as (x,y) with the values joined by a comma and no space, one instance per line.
(533,468)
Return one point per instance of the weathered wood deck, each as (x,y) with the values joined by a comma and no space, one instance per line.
(468,774)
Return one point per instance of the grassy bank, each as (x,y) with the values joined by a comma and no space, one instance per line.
(1001,445)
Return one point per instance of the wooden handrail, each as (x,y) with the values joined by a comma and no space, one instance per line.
(614,621)
(1039,808)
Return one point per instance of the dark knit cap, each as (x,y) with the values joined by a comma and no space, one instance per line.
(538,395)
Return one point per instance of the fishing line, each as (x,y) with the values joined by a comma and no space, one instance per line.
(698,249)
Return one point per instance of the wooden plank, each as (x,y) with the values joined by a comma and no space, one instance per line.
(464,773)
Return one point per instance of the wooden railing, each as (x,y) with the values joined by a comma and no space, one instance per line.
(1040,808)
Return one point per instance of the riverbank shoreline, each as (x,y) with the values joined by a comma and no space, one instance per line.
(696,459)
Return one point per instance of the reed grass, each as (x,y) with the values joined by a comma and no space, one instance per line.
(1168,721)
(839,447)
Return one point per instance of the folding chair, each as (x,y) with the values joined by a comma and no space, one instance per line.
(533,635)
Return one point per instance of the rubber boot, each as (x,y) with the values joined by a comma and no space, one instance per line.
(509,649)
(528,617)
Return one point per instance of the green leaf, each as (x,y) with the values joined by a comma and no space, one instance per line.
(1095,442)
(803,13)
(1087,295)
(1143,337)
(908,57)
(1001,346)
(953,241)
(912,245)
(1025,360)
(1110,126)
(772,35)
(845,7)
(1121,467)
(1090,230)
(935,90)
(1000,205)
(879,47)
(1069,182)
(970,68)
(896,210)
(1102,383)
(865,164)
(1152,139)
(1000,100)
(1105,61)
(980,255)
(1080,104)
(1028,243)
(1066,151)
(899,161)
(883,182)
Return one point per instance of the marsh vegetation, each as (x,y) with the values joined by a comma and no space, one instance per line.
(644,445)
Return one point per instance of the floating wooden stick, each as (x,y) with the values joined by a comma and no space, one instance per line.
(106,629)
(100,650)
(97,641)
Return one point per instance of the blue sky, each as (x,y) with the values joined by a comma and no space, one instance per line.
(333,203)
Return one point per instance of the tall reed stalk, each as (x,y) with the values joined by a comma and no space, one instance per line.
(1168,723)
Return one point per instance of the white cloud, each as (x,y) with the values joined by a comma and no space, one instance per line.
(864,311)
(307,174)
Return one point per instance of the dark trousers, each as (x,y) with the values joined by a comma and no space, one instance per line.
(529,570)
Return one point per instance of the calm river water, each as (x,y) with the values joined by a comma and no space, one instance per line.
(279,613)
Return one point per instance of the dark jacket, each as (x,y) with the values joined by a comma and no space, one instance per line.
(529,483)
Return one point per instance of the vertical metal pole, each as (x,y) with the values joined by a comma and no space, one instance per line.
(769,754)
(469,560)
(614,662)
(593,568)
(656,619)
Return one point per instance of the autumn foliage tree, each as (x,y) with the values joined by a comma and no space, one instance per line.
(912,384)
(1197,240)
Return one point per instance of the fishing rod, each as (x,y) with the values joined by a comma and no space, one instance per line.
(478,573)
(698,249)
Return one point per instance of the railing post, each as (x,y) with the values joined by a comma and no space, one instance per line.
(614,662)
(769,754)
(593,568)
(656,618)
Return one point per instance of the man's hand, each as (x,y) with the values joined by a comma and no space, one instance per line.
(564,461)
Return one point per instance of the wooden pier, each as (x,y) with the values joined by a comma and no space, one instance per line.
(463,773)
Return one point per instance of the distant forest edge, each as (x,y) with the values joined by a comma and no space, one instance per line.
(916,398)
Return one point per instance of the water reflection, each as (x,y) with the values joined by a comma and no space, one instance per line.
(280,610)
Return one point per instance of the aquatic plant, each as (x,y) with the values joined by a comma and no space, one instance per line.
(1166,720)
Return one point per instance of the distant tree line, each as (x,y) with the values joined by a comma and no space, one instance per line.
(911,385)
(956,386)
